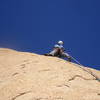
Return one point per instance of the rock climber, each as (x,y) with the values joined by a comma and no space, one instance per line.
(59,51)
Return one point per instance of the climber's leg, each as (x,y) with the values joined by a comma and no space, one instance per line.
(63,54)
(54,52)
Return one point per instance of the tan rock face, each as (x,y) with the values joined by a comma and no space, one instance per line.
(28,76)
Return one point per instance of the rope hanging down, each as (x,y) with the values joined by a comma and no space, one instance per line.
(89,71)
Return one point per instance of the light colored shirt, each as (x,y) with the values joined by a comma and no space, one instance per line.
(58,46)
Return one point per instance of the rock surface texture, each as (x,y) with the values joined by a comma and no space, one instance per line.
(28,76)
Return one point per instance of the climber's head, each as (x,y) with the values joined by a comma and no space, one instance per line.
(60,42)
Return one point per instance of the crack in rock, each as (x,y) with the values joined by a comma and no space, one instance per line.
(89,71)
(63,85)
(44,70)
(98,93)
(23,65)
(21,94)
(66,85)
(73,78)
(14,74)
(93,74)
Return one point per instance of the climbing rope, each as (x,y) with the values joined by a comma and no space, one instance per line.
(89,71)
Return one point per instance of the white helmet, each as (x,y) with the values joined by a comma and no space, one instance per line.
(60,42)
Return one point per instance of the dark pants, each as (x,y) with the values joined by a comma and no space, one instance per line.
(60,53)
